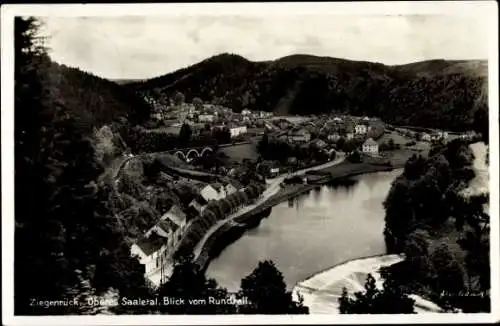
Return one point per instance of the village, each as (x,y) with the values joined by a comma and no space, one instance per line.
(266,150)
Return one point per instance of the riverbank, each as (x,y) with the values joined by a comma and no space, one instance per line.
(233,230)
(340,172)
(228,234)
(322,291)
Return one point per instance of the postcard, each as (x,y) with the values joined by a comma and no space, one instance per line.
(250,163)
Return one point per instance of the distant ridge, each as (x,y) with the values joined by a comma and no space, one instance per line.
(433,93)
(123,81)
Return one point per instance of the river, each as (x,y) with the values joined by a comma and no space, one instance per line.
(312,232)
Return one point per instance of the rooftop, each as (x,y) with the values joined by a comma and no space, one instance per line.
(217,186)
(175,215)
(370,142)
(150,244)
(167,225)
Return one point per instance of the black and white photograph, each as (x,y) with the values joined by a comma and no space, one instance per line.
(207,163)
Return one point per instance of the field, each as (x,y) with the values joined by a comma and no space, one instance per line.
(240,152)
(400,156)
(396,137)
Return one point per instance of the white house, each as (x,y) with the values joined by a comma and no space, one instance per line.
(196,206)
(237,130)
(230,189)
(468,135)
(209,193)
(274,171)
(320,144)
(154,250)
(370,146)
(334,137)
(425,137)
(246,112)
(442,135)
(221,190)
(361,129)
(300,136)
(178,217)
(214,191)
(206,118)
(439,135)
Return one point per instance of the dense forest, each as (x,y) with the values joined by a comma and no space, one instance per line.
(436,93)
(72,221)
(443,233)
(68,244)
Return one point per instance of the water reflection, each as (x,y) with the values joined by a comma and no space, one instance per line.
(312,232)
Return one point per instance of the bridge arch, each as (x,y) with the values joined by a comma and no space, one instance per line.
(205,150)
(180,155)
(190,153)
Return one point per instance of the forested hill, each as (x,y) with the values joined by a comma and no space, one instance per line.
(94,101)
(436,93)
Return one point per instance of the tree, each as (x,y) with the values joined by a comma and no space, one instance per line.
(449,274)
(179,98)
(189,283)
(340,143)
(221,135)
(198,103)
(263,145)
(184,135)
(355,157)
(419,207)
(66,239)
(266,291)
(414,167)
(225,206)
(349,146)
(389,300)
(416,249)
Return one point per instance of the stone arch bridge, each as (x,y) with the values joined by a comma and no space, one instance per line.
(188,154)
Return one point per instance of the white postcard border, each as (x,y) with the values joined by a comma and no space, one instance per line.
(487,8)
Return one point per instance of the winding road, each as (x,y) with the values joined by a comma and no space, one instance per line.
(273,186)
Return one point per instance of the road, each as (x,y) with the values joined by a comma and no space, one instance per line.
(273,186)
(281,178)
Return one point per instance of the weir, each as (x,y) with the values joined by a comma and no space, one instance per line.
(322,291)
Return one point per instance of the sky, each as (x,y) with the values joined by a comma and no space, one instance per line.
(139,47)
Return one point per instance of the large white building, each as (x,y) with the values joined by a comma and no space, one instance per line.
(209,193)
(155,249)
(206,118)
(370,146)
(237,130)
(361,129)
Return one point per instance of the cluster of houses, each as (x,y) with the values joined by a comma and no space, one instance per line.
(238,124)
(331,131)
(156,247)
(436,135)
(198,116)
(443,136)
